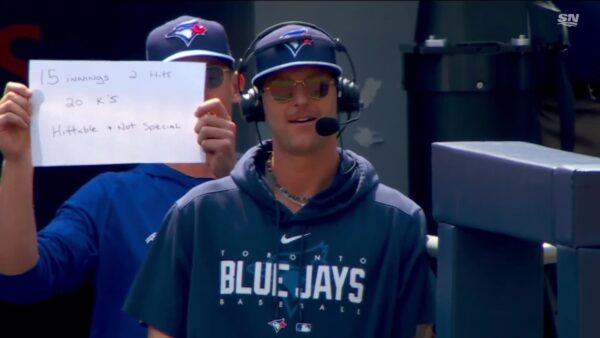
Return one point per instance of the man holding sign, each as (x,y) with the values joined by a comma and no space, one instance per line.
(103,231)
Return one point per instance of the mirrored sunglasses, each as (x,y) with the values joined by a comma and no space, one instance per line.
(316,88)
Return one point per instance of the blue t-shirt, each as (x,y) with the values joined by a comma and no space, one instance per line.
(102,232)
(231,261)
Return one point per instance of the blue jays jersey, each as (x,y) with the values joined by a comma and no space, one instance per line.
(232,261)
(101,233)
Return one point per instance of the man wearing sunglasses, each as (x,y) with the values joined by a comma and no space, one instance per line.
(301,239)
(104,230)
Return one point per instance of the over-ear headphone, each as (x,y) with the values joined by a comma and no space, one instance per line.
(348,93)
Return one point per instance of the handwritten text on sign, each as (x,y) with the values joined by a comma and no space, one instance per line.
(107,112)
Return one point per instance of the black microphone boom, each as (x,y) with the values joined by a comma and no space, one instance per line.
(327,126)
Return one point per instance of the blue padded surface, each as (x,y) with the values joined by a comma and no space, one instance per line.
(518,189)
(579,295)
(488,285)
(577,201)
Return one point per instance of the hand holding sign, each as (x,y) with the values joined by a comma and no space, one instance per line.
(15,112)
(216,135)
(106,112)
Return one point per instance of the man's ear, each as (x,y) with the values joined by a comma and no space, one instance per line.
(239,83)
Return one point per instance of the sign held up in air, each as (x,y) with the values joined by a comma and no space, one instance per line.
(109,112)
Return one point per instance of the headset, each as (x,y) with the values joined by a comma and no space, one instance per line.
(348,93)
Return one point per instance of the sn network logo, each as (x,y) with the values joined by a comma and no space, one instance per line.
(568,20)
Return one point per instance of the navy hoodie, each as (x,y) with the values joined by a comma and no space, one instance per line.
(232,261)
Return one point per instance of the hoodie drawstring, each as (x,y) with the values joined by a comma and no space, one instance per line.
(276,265)
(302,268)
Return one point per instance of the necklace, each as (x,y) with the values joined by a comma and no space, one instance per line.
(299,200)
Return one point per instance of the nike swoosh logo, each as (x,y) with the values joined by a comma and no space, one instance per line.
(288,240)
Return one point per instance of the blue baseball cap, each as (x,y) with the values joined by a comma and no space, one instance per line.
(294,45)
(188,36)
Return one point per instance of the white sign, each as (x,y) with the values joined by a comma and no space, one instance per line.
(107,112)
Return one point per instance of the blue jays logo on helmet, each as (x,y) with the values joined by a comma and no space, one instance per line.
(295,46)
(187,31)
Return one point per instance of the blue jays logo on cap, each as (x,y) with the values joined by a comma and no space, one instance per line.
(295,46)
(284,47)
(187,31)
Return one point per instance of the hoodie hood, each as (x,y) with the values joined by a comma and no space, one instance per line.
(355,177)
